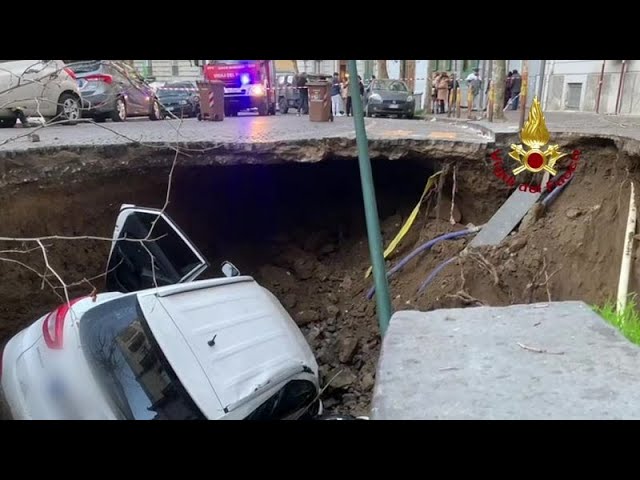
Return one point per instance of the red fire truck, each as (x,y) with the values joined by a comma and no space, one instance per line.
(248,84)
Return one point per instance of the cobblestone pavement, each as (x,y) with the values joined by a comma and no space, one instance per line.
(242,129)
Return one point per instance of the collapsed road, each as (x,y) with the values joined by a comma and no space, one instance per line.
(284,205)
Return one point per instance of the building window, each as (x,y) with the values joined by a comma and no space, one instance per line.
(175,68)
(574,92)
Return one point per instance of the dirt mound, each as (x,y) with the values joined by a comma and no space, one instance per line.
(571,252)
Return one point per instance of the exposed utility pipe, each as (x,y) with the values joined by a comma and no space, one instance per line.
(434,273)
(620,86)
(554,193)
(627,254)
(383,301)
(422,248)
(600,82)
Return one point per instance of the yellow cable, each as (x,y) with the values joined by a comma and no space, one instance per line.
(407,225)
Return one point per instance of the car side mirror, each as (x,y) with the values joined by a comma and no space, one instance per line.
(229,270)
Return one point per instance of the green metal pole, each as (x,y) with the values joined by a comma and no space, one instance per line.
(383,300)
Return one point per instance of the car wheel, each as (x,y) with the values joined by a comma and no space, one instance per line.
(69,108)
(119,113)
(156,111)
(284,107)
(409,116)
(8,122)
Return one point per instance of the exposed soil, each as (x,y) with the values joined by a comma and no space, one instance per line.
(299,230)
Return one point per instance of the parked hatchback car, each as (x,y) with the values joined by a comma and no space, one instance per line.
(389,97)
(115,90)
(181,99)
(43,88)
(223,348)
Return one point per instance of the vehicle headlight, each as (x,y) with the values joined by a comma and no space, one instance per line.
(183,102)
(256,91)
(410,98)
(375,98)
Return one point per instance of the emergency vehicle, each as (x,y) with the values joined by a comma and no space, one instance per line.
(248,84)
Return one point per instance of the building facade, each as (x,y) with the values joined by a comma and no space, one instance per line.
(574,85)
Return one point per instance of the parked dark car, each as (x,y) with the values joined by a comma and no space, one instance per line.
(180,99)
(115,90)
(389,97)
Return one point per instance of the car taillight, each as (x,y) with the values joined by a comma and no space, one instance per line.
(54,323)
(70,72)
(100,77)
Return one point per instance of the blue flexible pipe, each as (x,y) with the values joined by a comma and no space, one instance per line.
(422,248)
(435,272)
(555,192)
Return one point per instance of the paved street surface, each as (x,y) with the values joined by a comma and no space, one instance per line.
(243,129)
(587,123)
(556,360)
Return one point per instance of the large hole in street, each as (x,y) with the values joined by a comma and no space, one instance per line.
(299,230)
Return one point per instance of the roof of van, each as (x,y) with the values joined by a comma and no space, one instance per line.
(227,339)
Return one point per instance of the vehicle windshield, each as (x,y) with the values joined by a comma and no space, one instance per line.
(175,91)
(130,366)
(392,85)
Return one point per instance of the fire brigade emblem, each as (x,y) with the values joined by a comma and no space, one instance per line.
(535,135)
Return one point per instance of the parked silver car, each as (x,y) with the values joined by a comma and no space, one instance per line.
(115,90)
(38,88)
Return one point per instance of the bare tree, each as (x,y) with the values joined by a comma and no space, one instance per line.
(498,79)
(410,74)
(428,86)
(382,69)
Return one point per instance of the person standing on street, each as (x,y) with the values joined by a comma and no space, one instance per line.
(303,92)
(507,89)
(443,92)
(516,84)
(474,82)
(336,99)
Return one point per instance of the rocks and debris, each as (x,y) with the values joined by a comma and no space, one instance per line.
(348,347)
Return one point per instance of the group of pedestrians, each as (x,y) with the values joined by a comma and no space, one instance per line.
(341,101)
(443,84)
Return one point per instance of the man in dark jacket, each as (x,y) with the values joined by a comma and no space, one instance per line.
(303,92)
(516,85)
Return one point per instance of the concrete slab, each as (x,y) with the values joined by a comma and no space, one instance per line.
(505,219)
(538,361)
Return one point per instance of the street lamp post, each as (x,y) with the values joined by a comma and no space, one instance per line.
(383,300)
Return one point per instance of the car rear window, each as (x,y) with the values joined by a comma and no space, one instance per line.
(130,366)
(85,67)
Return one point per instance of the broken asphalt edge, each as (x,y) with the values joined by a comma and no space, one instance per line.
(40,163)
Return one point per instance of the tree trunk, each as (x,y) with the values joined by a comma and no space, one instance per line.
(382,69)
(410,74)
(498,78)
(428,87)
(295,66)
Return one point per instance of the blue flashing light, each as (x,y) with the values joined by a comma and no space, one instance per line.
(245,79)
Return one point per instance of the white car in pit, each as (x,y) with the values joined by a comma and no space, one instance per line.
(222,348)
